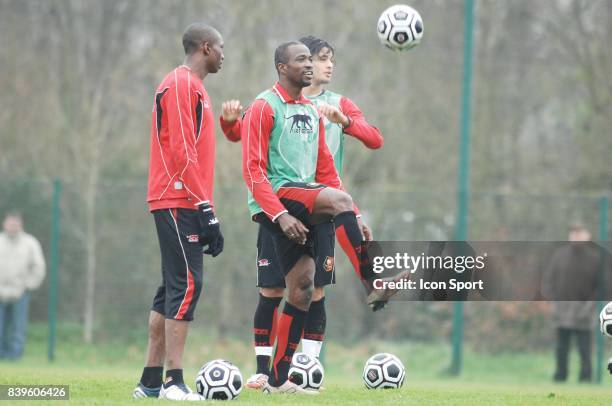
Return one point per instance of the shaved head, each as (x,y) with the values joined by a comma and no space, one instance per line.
(197,34)
(281,54)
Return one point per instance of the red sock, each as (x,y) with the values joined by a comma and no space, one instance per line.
(351,241)
(290,326)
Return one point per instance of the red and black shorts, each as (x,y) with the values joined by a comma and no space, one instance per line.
(299,199)
(269,272)
(182,263)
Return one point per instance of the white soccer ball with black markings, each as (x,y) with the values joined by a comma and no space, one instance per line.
(400,27)
(605,320)
(220,380)
(384,371)
(306,371)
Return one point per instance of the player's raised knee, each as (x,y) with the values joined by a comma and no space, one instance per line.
(342,202)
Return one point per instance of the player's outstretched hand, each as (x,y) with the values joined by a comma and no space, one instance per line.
(293,228)
(366,231)
(210,231)
(230,110)
(333,114)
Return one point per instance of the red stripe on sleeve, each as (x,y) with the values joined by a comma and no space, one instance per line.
(256,128)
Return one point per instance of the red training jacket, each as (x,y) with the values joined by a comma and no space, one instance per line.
(182,157)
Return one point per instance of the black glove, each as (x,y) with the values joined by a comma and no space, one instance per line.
(210,231)
(378,305)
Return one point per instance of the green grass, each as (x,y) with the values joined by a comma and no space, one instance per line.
(112,385)
(106,373)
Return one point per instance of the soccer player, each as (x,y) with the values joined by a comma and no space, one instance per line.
(343,117)
(180,196)
(295,191)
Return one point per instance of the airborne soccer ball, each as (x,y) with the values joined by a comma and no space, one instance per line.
(306,371)
(219,379)
(400,27)
(383,371)
(605,320)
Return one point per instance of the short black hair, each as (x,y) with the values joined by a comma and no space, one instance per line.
(196,34)
(280,54)
(316,44)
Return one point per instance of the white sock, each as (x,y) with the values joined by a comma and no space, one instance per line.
(263,351)
(311,347)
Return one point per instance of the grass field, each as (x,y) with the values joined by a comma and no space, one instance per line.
(106,374)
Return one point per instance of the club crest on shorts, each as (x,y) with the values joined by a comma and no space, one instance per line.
(193,238)
(263,262)
(328,264)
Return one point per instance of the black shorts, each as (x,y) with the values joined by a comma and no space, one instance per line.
(182,262)
(269,271)
(298,199)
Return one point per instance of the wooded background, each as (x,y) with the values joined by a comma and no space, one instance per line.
(78,78)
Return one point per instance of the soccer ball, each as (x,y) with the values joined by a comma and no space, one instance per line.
(400,27)
(306,371)
(219,379)
(605,320)
(383,371)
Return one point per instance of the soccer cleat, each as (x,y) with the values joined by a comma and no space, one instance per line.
(257,381)
(179,392)
(141,392)
(288,388)
(378,298)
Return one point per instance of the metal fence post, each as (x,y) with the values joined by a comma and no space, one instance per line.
(464,175)
(603,237)
(54,266)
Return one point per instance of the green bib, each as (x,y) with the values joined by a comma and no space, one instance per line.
(294,144)
(334,136)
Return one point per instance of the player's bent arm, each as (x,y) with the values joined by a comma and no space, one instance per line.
(358,127)
(230,119)
(177,104)
(256,128)
(231,129)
